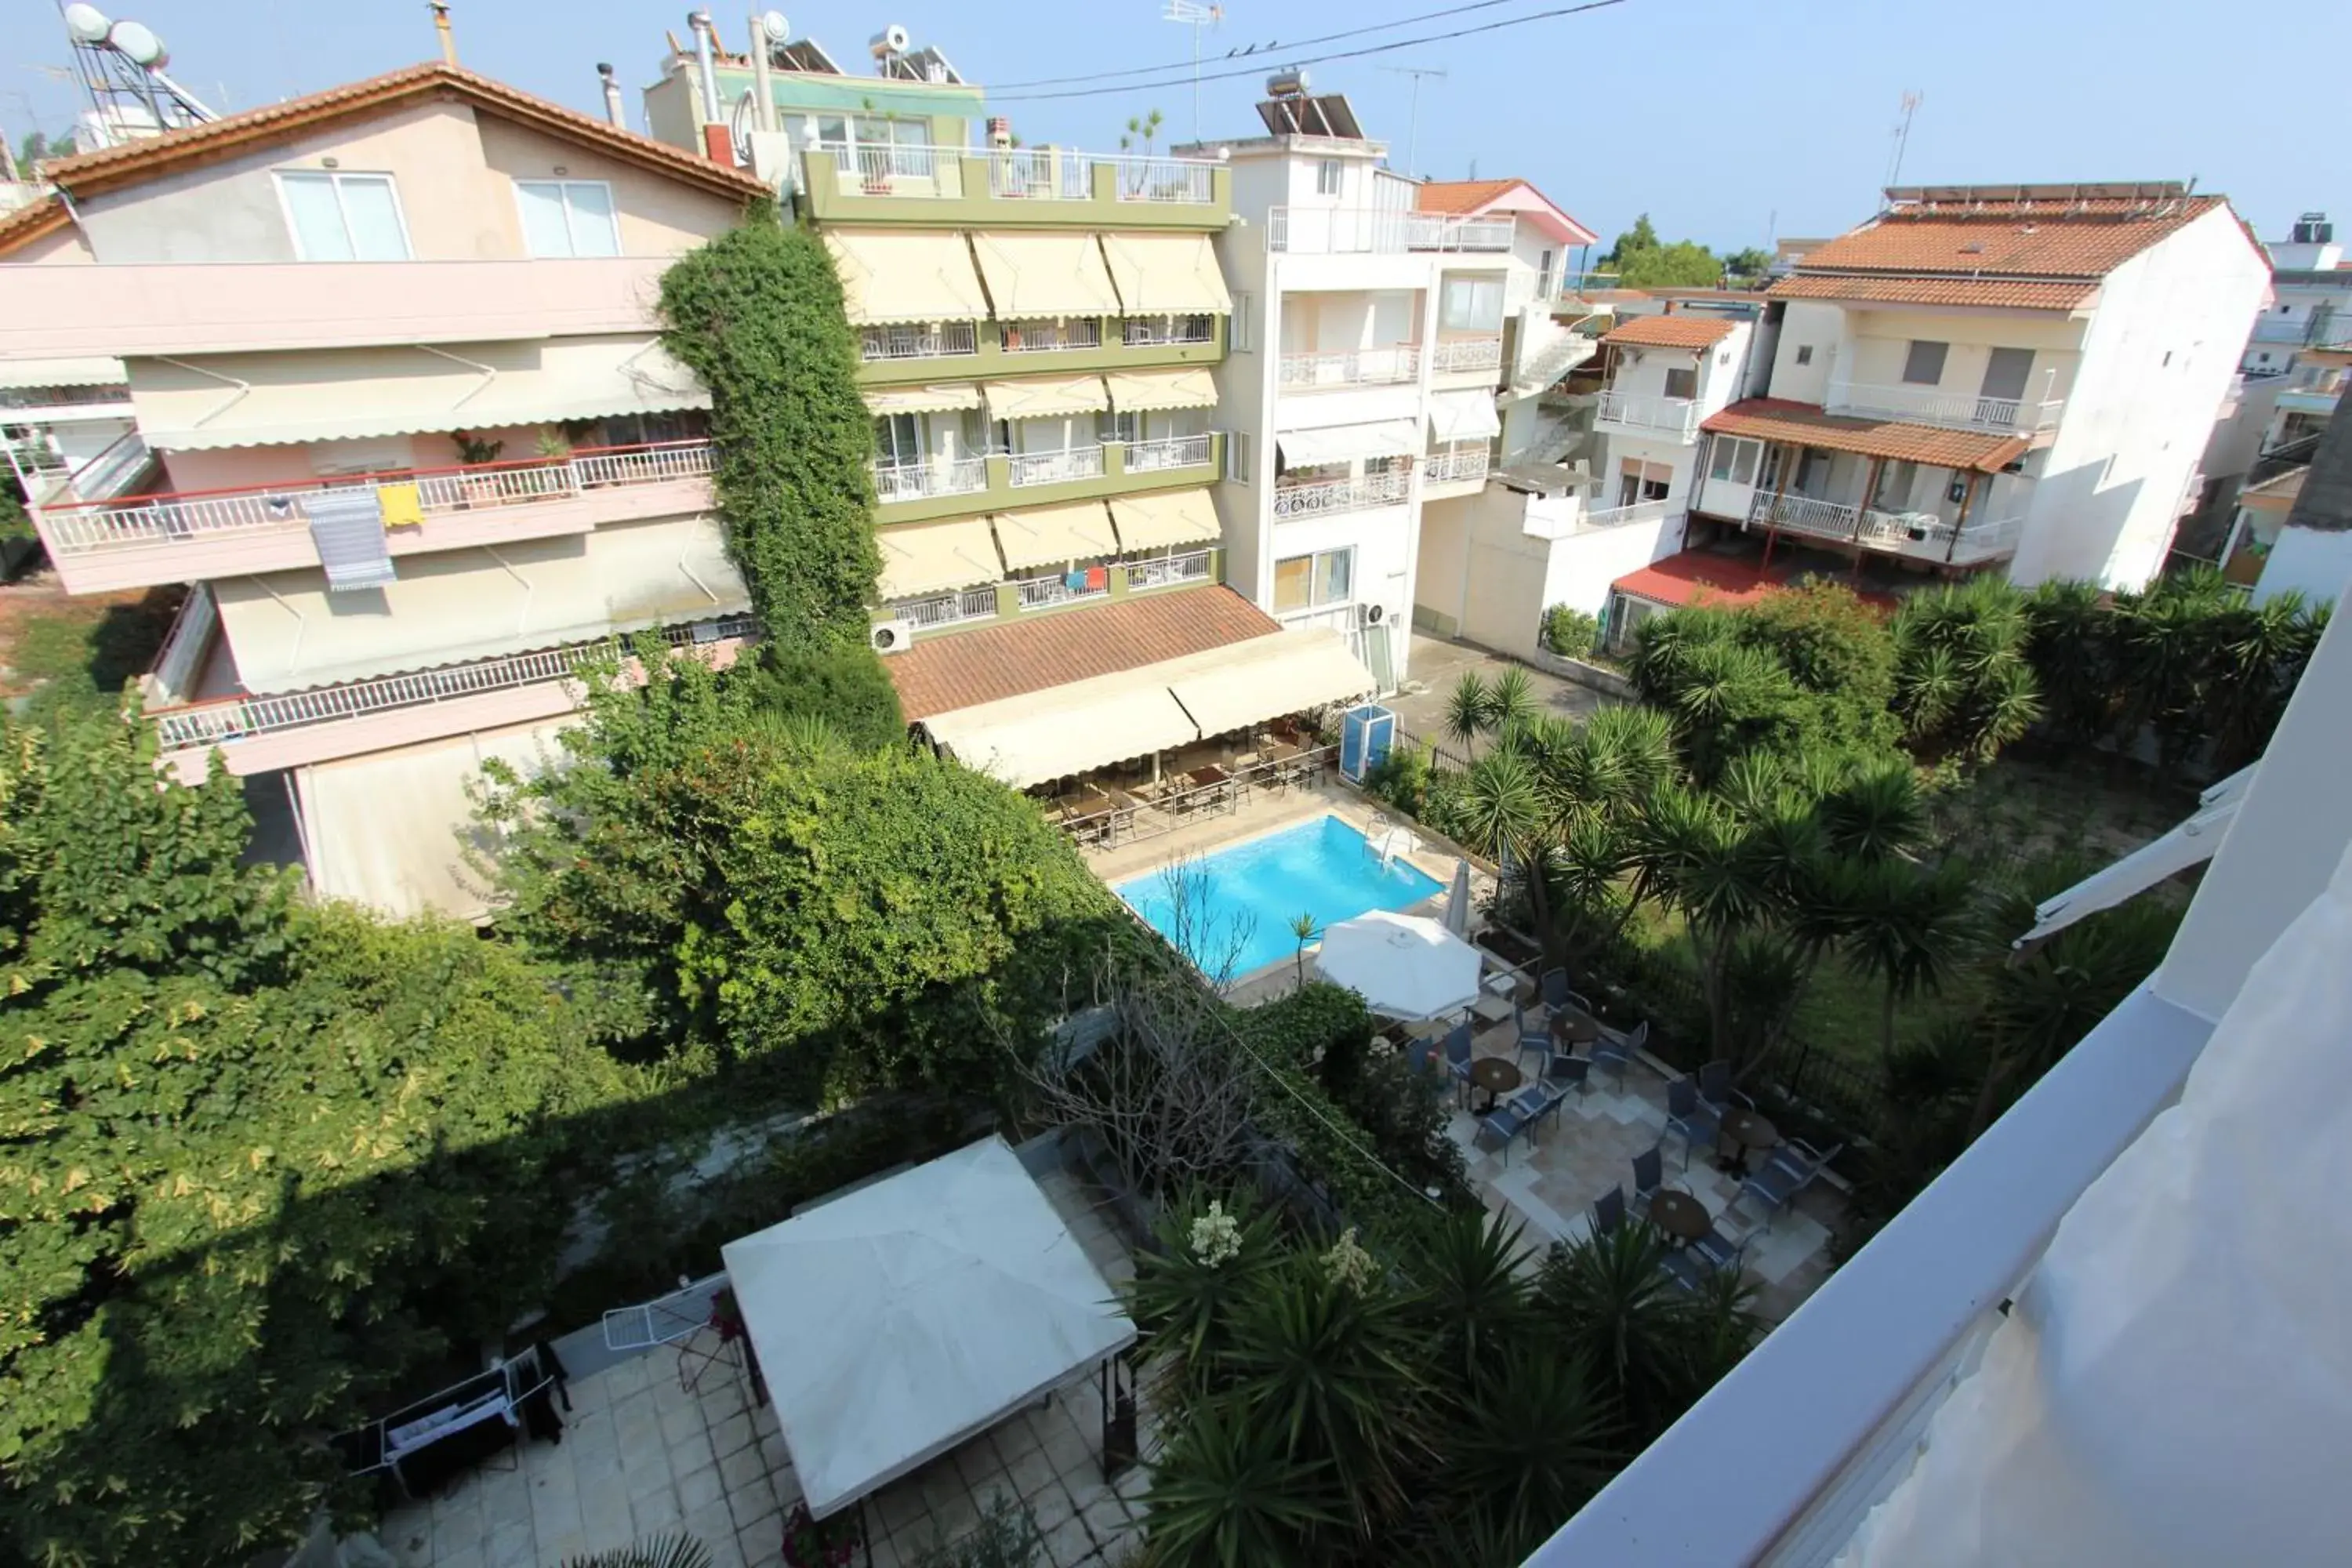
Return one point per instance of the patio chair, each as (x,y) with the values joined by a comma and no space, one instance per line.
(1715,1088)
(1537,1102)
(1565,1072)
(1788,1171)
(1710,1254)
(1499,1126)
(1457,1059)
(1530,1039)
(1616,1052)
(1420,1055)
(1649,1177)
(1688,1115)
(1608,1211)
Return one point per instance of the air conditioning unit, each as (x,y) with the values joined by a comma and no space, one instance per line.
(892,637)
(1371,613)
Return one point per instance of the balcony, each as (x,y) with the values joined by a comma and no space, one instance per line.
(197,535)
(945,340)
(923,489)
(1012,186)
(1464,356)
(1024,470)
(1168,452)
(1465,465)
(925,481)
(1350,367)
(1168,331)
(2281,330)
(1169,571)
(1379,231)
(1646,413)
(231,306)
(262,734)
(1921,535)
(1960,410)
(948,609)
(1049,337)
(995,601)
(1327,498)
(1055,588)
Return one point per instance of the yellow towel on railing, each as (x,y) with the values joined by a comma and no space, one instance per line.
(400,506)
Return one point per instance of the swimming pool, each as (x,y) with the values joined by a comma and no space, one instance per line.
(1320,867)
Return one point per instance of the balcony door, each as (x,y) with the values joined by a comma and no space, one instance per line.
(2006,372)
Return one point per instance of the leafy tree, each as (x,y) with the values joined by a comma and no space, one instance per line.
(1641,260)
(843,686)
(757,313)
(1469,709)
(1751,262)
(1965,682)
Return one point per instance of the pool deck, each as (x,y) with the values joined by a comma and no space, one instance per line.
(1263,813)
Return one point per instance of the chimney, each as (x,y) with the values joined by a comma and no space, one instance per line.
(703,28)
(763,96)
(440,9)
(613,110)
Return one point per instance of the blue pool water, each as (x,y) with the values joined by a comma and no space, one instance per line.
(1320,866)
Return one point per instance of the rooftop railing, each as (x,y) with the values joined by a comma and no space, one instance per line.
(1932,406)
(1340,231)
(1350,367)
(1646,411)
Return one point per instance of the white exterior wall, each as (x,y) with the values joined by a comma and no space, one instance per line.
(1486,580)
(2156,363)
(1809,323)
(2305,561)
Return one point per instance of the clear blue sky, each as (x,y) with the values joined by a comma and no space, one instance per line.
(1711,117)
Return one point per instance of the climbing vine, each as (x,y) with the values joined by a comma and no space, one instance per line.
(757,314)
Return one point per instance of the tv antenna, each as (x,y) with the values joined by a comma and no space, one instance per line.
(1911,100)
(1413,120)
(1195,16)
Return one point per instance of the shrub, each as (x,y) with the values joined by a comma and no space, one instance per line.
(842,685)
(1570,632)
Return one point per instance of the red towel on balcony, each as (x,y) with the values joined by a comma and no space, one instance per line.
(1097,579)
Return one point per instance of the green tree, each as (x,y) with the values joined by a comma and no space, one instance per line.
(757,314)
(842,685)
(1749,263)
(1641,260)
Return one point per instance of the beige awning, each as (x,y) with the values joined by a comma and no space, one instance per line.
(331,394)
(1045,397)
(1053,536)
(1167,274)
(1464,416)
(391,829)
(21,375)
(889,275)
(1249,682)
(1034,276)
(453,607)
(1144,391)
(1160,520)
(1349,443)
(937,558)
(1069,728)
(881,400)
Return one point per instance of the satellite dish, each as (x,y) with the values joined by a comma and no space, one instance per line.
(86,23)
(137,44)
(773,26)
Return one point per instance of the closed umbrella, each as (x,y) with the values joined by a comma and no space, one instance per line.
(1457,901)
(1407,967)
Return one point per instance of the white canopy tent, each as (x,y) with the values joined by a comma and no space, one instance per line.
(894,1322)
(1404,966)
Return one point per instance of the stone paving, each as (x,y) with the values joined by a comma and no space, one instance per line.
(644,1454)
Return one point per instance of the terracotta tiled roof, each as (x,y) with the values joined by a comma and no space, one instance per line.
(1670,332)
(128,163)
(31,221)
(2048,238)
(1698,577)
(2000,293)
(1779,419)
(940,674)
(1460,196)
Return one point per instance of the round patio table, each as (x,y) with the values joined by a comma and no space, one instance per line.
(1570,1028)
(1496,1075)
(1739,1133)
(1679,1214)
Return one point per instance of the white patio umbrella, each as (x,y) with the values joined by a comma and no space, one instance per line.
(1404,965)
(1458,900)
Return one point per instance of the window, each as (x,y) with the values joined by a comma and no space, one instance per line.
(567,217)
(1734,459)
(1543,275)
(1308,581)
(1804,353)
(1127,426)
(1681,384)
(1924,366)
(1237,456)
(343,217)
(1241,335)
(898,440)
(1471,305)
(1326,177)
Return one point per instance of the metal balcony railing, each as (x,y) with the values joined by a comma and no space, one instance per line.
(1322,497)
(1930,406)
(945,340)
(1337,231)
(1166,331)
(236,717)
(1919,533)
(1050,337)
(75,528)
(1350,367)
(1455,466)
(1159,571)
(1056,468)
(1038,593)
(1044,173)
(1454,355)
(947,609)
(1168,452)
(922,479)
(1645,411)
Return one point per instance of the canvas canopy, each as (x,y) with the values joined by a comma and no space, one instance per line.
(1055,536)
(881,400)
(1069,728)
(1247,683)
(1145,391)
(889,276)
(937,558)
(1044,397)
(1034,276)
(1161,519)
(1464,415)
(1167,274)
(896,1322)
(1407,967)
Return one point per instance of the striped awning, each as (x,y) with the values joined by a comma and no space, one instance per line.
(937,558)
(1044,397)
(1161,519)
(1045,275)
(1055,536)
(882,400)
(1148,390)
(890,275)
(1167,274)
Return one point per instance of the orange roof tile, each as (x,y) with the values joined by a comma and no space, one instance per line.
(1460,196)
(2046,239)
(1998,293)
(128,163)
(1779,419)
(940,674)
(31,221)
(1724,582)
(1673,331)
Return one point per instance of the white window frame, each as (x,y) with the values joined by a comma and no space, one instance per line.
(1238,446)
(1240,334)
(1314,578)
(564,188)
(1724,462)
(335,178)
(1942,356)
(1330,178)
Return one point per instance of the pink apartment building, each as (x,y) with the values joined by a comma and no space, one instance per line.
(392,347)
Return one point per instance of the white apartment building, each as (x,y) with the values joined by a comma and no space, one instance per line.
(1389,341)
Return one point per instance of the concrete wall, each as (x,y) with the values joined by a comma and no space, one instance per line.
(1484,579)
(2305,561)
(1807,325)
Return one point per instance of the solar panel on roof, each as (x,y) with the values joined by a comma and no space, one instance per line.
(1325,114)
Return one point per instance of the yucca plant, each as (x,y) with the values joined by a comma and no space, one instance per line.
(1469,710)
(1499,807)
(1230,1491)
(1511,702)
(1214,1252)
(1476,1294)
(1613,1305)
(1526,1447)
(680,1550)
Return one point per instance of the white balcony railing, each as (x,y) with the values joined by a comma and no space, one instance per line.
(910,170)
(1050,337)
(1056,468)
(1159,571)
(1927,405)
(76,529)
(1037,174)
(944,340)
(1350,367)
(1168,452)
(1917,534)
(1452,356)
(217,723)
(1341,231)
(1625,516)
(1038,593)
(1167,331)
(1185,180)
(922,479)
(1043,173)
(1676,416)
(947,610)
(1456,466)
(1541,367)
(1322,497)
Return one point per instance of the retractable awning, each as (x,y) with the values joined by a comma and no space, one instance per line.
(1249,682)
(1149,391)
(1055,536)
(1069,729)
(1044,397)
(1350,443)
(1161,519)
(21,375)
(273,399)
(1031,276)
(888,276)
(1464,416)
(1167,274)
(937,558)
(2193,843)
(882,400)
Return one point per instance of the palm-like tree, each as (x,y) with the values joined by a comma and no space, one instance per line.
(1907,928)
(1304,928)
(1469,710)
(1231,1490)
(680,1550)
(1469,1266)
(1527,1447)
(2067,643)
(1878,815)
(1500,806)
(1511,700)
(1618,1309)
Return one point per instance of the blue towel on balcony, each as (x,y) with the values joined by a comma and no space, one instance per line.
(1076,582)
